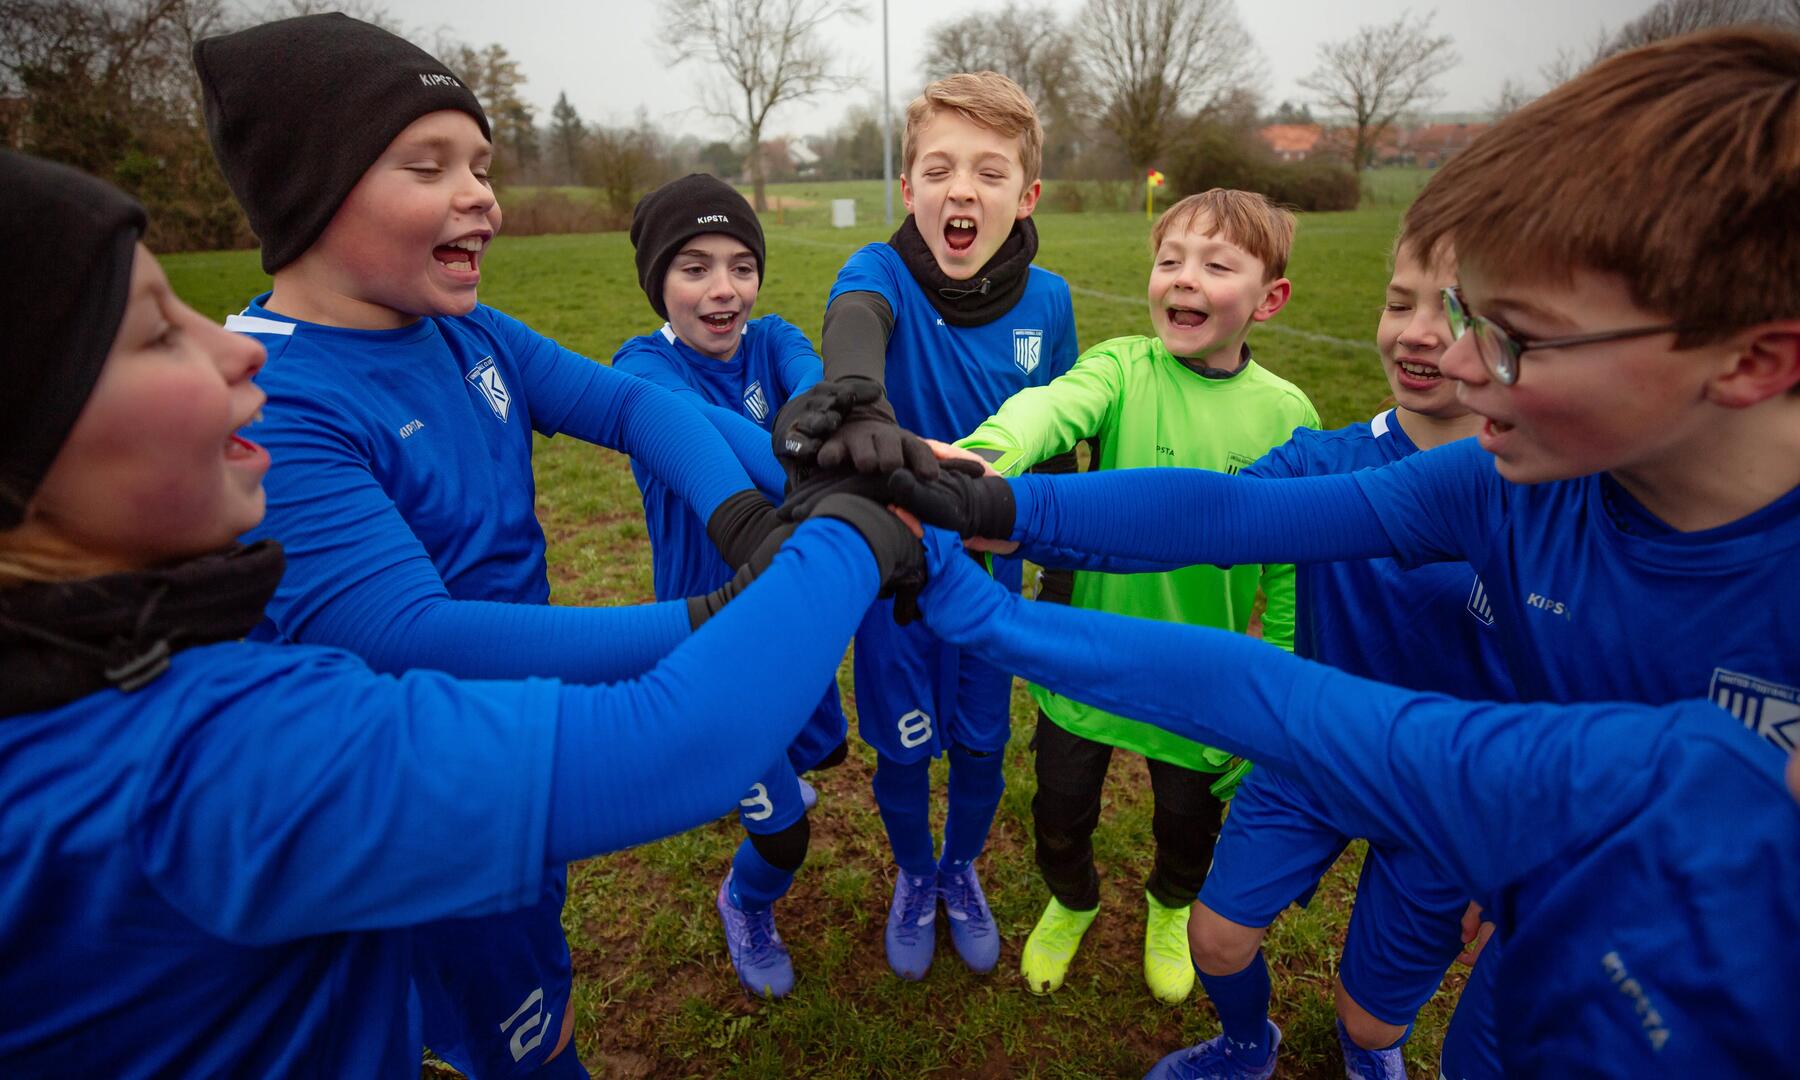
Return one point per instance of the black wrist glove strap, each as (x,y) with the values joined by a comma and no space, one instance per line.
(702,608)
(739,525)
(969,505)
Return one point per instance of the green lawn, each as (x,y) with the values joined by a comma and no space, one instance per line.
(654,993)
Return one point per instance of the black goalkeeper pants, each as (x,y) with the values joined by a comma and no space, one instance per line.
(1071,770)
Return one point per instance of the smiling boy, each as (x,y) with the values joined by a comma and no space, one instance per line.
(402,414)
(700,259)
(1189,396)
(951,318)
(1630,333)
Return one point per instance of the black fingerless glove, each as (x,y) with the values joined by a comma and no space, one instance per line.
(740,525)
(959,500)
(702,608)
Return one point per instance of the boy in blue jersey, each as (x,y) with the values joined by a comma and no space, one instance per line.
(403,414)
(700,260)
(218,852)
(1643,862)
(951,319)
(1632,344)
(1428,628)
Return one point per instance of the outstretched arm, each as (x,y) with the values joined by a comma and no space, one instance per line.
(1421,770)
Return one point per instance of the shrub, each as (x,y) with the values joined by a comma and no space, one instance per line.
(1213,155)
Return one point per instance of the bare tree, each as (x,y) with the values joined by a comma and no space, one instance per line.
(1155,63)
(1379,73)
(1570,62)
(764,53)
(1674,17)
(1512,97)
(1031,46)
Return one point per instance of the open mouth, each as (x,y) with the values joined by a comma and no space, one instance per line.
(462,255)
(959,233)
(238,448)
(1186,318)
(720,323)
(1417,374)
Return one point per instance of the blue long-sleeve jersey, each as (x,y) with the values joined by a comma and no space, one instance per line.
(774,361)
(214,875)
(1592,597)
(402,492)
(1425,628)
(943,381)
(1643,863)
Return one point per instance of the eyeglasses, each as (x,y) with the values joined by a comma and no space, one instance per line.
(1501,349)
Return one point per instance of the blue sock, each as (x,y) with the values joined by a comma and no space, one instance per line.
(976,781)
(1242,1001)
(903,795)
(755,884)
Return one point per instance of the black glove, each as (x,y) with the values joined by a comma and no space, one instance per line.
(967,504)
(899,556)
(740,525)
(809,416)
(702,608)
(805,494)
(871,441)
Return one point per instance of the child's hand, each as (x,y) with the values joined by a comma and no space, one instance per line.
(947,452)
(1475,934)
(959,499)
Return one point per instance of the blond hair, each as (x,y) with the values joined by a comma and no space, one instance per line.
(1244,218)
(1675,166)
(985,98)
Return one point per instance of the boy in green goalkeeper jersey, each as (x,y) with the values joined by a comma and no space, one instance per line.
(1189,397)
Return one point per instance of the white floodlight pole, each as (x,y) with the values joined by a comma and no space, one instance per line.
(887,125)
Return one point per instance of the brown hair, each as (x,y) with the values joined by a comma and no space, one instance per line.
(987,98)
(1675,166)
(1244,218)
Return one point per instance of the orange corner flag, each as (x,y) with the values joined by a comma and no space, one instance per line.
(1156,178)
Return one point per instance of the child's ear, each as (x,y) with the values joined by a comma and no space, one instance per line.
(1274,299)
(905,194)
(1028,199)
(1765,363)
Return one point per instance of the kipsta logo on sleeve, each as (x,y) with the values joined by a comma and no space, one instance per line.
(755,404)
(485,377)
(1028,349)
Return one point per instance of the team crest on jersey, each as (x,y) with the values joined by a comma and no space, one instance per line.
(1028,349)
(1479,604)
(485,377)
(755,403)
(1770,709)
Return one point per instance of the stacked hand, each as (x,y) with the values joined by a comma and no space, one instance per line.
(847,423)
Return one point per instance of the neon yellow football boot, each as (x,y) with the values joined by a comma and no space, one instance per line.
(1052,945)
(1168,966)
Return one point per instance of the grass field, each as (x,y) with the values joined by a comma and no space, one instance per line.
(655,995)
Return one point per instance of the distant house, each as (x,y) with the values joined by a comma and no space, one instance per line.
(805,158)
(1291,142)
(1431,145)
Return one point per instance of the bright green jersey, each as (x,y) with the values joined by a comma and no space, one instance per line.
(1149,410)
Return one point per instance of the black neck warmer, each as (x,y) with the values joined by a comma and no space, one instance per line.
(991,293)
(61,641)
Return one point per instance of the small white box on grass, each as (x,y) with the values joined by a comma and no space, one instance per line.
(843,213)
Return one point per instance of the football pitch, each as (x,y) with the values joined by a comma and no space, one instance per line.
(654,993)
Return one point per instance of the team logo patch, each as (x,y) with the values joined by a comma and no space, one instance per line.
(755,404)
(1235,462)
(485,377)
(1479,605)
(1028,349)
(1770,709)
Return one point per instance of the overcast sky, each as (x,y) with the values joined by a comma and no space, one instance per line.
(603,53)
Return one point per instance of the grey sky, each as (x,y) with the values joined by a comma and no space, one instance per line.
(604,53)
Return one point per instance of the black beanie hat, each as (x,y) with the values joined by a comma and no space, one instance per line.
(297,111)
(65,282)
(679,211)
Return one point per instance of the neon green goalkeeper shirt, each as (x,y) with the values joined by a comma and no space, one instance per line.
(1149,410)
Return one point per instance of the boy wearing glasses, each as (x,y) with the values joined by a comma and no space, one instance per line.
(1631,322)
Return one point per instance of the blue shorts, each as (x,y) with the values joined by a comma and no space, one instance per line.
(916,696)
(1405,928)
(823,733)
(1472,1043)
(492,990)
